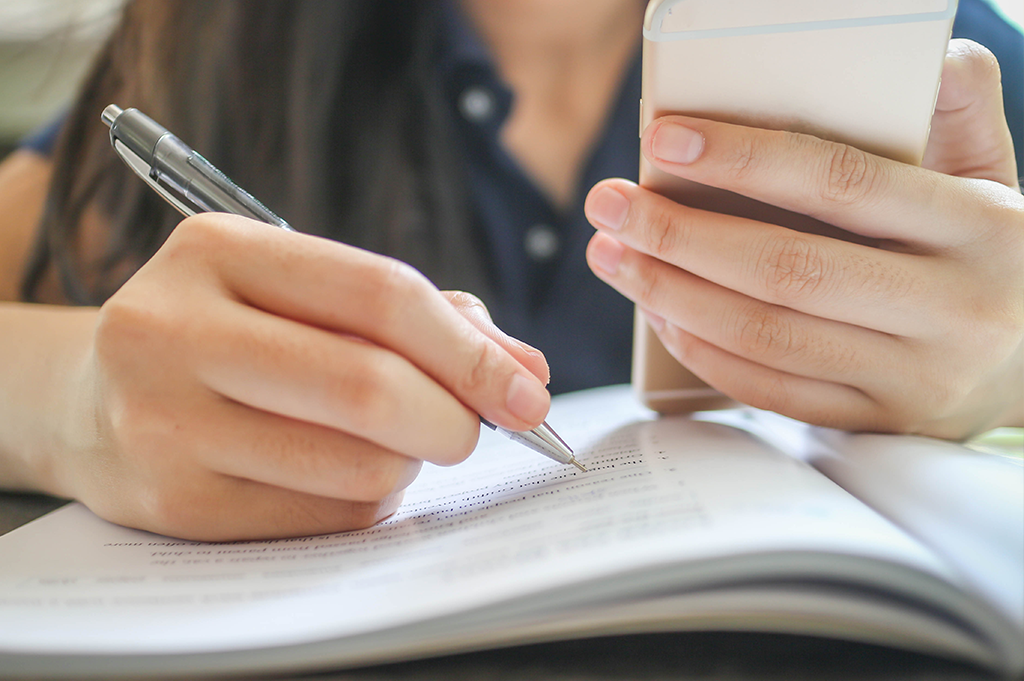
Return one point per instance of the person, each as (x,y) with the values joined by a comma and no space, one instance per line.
(215,378)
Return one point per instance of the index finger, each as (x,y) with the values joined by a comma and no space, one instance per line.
(344,289)
(832,182)
(816,275)
(473,309)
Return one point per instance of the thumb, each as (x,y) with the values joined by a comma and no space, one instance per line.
(473,309)
(969,135)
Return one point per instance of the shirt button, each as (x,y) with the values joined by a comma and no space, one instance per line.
(477,104)
(541,243)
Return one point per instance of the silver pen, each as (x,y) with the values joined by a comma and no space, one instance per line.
(193,185)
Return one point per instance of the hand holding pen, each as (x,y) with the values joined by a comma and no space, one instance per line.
(193,185)
(249,381)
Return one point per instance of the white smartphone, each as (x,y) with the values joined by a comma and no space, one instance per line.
(861,72)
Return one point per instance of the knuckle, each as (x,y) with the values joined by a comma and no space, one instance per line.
(485,361)
(849,175)
(665,234)
(768,332)
(380,476)
(793,268)
(393,288)
(464,300)
(399,279)
(361,515)
(129,334)
(773,395)
(305,455)
(651,288)
(763,331)
(120,325)
(744,157)
(363,394)
(471,308)
(679,344)
(198,235)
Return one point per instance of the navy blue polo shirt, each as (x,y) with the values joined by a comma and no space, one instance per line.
(544,292)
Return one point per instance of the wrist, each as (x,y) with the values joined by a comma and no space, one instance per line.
(46,393)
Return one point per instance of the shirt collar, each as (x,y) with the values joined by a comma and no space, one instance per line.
(468,73)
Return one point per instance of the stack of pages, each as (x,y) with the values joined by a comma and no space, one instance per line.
(736,520)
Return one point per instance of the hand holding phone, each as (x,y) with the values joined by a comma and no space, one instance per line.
(864,73)
(893,302)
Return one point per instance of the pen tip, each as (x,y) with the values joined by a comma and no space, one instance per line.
(576,463)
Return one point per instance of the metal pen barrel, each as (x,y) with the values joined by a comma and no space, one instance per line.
(178,168)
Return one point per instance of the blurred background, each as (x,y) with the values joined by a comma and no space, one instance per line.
(45,48)
(47,45)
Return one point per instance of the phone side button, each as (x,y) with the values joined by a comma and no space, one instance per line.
(640,133)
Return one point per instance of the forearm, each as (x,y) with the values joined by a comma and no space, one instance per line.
(44,353)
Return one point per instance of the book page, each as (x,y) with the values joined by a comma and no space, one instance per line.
(689,502)
(967,505)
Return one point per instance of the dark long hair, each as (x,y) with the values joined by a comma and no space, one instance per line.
(329,112)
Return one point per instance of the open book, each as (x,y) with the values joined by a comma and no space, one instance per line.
(736,520)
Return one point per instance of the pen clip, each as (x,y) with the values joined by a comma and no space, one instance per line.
(143,170)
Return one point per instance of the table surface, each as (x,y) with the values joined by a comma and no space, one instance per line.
(706,656)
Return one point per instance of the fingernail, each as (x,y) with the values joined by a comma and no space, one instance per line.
(605,253)
(674,143)
(536,354)
(527,399)
(657,323)
(527,348)
(608,208)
